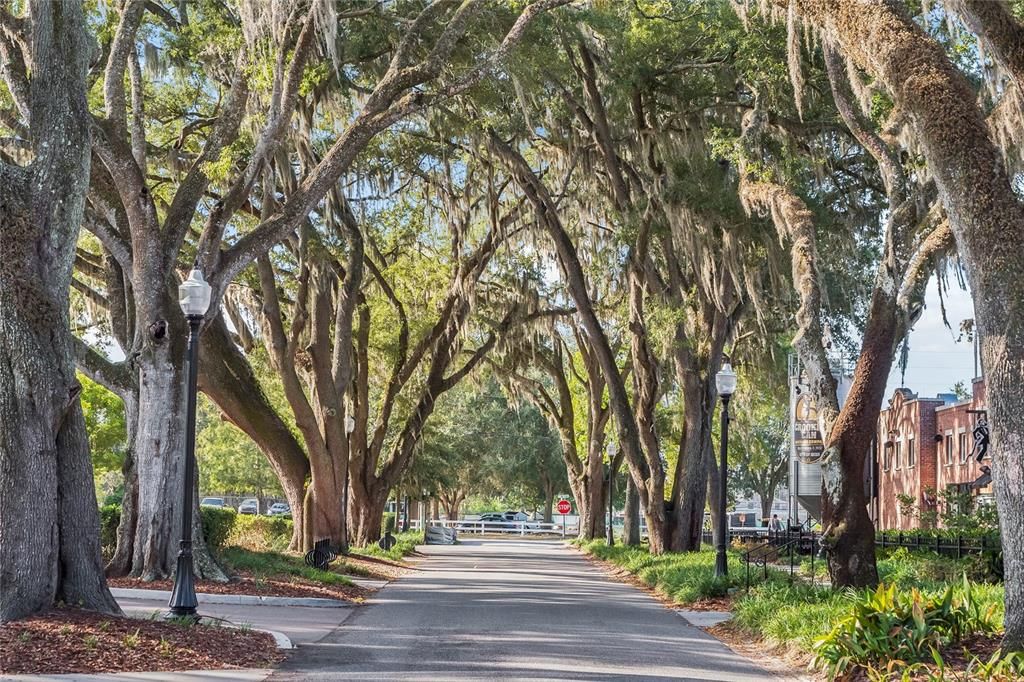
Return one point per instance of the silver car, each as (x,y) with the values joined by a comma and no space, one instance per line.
(279,509)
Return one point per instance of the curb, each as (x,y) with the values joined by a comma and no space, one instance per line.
(240,599)
(280,639)
(229,675)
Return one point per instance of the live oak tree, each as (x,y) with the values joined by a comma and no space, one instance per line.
(49,536)
(560,376)
(153,221)
(615,115)
(984,213)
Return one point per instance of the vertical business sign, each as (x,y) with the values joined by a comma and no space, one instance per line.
(807,442)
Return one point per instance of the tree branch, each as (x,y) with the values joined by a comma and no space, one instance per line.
(115,376)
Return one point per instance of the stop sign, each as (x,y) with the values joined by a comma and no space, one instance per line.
(564,507)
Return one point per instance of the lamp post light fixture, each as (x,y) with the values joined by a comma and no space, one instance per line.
(613,449)
(725,382)
(350,426)
(194,298)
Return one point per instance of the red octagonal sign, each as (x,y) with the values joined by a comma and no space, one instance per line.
(564,506)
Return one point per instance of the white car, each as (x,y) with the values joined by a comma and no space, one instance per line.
(249,506)
(279,509)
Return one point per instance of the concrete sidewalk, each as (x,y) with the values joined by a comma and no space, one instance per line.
(302,624)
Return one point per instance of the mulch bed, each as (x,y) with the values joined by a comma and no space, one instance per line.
(956,657)
(280,586)
(69,640)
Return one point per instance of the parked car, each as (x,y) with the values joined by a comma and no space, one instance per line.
(249,506)
(279,509)
(212,502)
(495,521)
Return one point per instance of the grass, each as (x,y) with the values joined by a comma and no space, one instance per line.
(270,564)
(796,615)
(790,615)
(405,544)
(682,577)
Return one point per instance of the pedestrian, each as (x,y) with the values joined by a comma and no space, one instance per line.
(775,525)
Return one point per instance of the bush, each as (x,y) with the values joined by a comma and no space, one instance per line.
(795,615)
(894,625)
(110,517)
(261,533)
(217,525)
(390,522)
(910,568)
(683,577)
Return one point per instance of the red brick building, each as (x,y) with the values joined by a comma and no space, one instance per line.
(927,445)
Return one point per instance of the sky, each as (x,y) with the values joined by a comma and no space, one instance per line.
(936,360)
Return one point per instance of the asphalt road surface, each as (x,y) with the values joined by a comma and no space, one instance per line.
(515,610)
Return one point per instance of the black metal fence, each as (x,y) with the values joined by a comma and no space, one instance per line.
(776,546)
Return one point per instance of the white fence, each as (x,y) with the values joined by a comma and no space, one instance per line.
(508,527)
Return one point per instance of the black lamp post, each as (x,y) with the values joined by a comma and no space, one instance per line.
(725,381)
(194,298)
(613,449)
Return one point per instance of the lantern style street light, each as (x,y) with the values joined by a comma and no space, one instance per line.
(725,382)
(194,298)
(613,449)
(350,426)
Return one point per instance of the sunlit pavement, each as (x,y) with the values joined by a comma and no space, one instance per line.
(507,609)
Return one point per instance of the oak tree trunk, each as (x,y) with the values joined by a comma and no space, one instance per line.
(631,516)
(49,522)
(366,513)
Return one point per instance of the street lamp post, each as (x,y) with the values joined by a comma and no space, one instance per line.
(350,426)
(194,299)
(725,381)
(613,449)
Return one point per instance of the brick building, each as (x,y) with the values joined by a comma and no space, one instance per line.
(927,445)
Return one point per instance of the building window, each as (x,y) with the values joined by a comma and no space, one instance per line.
(886,456)
(911,455)
(896,454)
(948,449)
(964,449)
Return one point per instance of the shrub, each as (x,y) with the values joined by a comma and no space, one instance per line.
(390,522)
(217,525)
(110,517)
(261,533)
(891,625)
(907,568)
(681,576)
(795,615)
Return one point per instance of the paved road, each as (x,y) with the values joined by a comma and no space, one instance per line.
(515,610)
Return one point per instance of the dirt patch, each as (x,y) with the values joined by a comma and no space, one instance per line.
(377,568)
(75,641)
(957,659)
(779,660)
(278,586)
